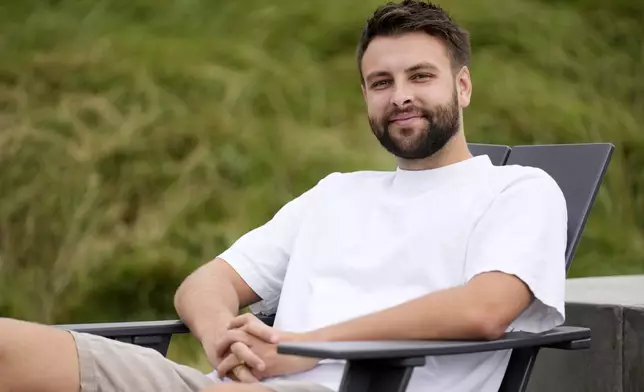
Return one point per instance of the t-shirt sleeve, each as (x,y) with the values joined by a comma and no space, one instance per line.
(261,256)
(524,233)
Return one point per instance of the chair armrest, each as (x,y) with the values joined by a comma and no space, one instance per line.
(161,327)
(136,328)
(570,338)
(152,334)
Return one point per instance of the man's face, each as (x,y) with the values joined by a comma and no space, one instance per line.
(412,98)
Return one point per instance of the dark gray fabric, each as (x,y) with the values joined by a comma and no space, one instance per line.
(497,154)
(578,169)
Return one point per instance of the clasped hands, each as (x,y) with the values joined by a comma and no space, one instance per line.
(247,351)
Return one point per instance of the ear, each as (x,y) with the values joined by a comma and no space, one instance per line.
(364,91)
(464,87)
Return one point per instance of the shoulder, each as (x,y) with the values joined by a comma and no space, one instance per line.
(524,182)
(512,176)
(344,183)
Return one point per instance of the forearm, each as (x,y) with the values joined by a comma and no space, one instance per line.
(481,309)
(444,315)
(206,301)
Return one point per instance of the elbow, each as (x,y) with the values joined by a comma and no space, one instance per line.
(490,327)
(181,293)
(177,297)
(491,331)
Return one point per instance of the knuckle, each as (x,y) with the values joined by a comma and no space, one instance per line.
(236,336)
(245,317)
(237,346)
(254,328)
(224,339)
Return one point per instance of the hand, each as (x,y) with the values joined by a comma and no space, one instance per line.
(235,344)
(250,340)
(241,371)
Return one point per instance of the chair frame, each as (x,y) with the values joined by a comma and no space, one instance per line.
(387,366)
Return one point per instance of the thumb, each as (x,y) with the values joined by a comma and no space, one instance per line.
(263,332)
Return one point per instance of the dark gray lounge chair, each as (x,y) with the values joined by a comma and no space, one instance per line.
(498,154)
(387,366)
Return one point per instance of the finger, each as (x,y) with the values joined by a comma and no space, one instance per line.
(231,368)
(230,337)
(244,353)
(240,320)
(261,331)
(251,324)
(243,374)
(227,365)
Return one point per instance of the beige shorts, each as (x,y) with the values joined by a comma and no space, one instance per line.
(109,366)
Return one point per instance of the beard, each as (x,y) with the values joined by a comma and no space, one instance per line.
(443,123)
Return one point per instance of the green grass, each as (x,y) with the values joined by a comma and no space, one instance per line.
(140,138)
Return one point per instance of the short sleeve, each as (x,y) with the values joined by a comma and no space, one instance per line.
(261,256)
(524,233)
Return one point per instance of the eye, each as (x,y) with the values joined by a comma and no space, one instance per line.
(380,84)
(422,76)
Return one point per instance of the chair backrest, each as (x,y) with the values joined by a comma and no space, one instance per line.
(498,154)
(578,170)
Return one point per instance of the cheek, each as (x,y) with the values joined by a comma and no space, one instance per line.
(439,93)
(377,105)
(430,97)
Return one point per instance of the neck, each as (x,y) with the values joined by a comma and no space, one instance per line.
(454,151)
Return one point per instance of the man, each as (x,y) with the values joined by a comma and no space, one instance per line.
(447,246)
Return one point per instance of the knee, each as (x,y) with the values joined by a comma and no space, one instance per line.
(7,335)
(9,326)
(11,335)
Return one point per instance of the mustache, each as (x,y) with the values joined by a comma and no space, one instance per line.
(414,111)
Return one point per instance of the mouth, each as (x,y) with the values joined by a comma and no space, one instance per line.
(405,119)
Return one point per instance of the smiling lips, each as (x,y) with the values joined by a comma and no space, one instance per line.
(405,118)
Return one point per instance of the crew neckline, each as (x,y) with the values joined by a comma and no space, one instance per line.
(412,181)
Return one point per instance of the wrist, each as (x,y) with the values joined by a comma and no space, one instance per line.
(317,335)
(209,332)
(208,339)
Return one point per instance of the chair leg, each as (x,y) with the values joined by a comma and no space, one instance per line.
(379,375)
(519,368)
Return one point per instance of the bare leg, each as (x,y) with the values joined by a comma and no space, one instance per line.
(35,357)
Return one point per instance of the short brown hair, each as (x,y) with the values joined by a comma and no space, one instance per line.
(414,16)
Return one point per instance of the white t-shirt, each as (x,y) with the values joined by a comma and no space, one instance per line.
(360,242)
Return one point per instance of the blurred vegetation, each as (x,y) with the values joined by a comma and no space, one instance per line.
(139,138)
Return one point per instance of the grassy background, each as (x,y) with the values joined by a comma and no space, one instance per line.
(139,138)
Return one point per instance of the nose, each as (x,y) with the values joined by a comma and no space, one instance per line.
(401,96)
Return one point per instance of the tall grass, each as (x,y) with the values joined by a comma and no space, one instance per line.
(140,138)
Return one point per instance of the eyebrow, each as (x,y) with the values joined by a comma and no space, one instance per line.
(417,67)
(423,65)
